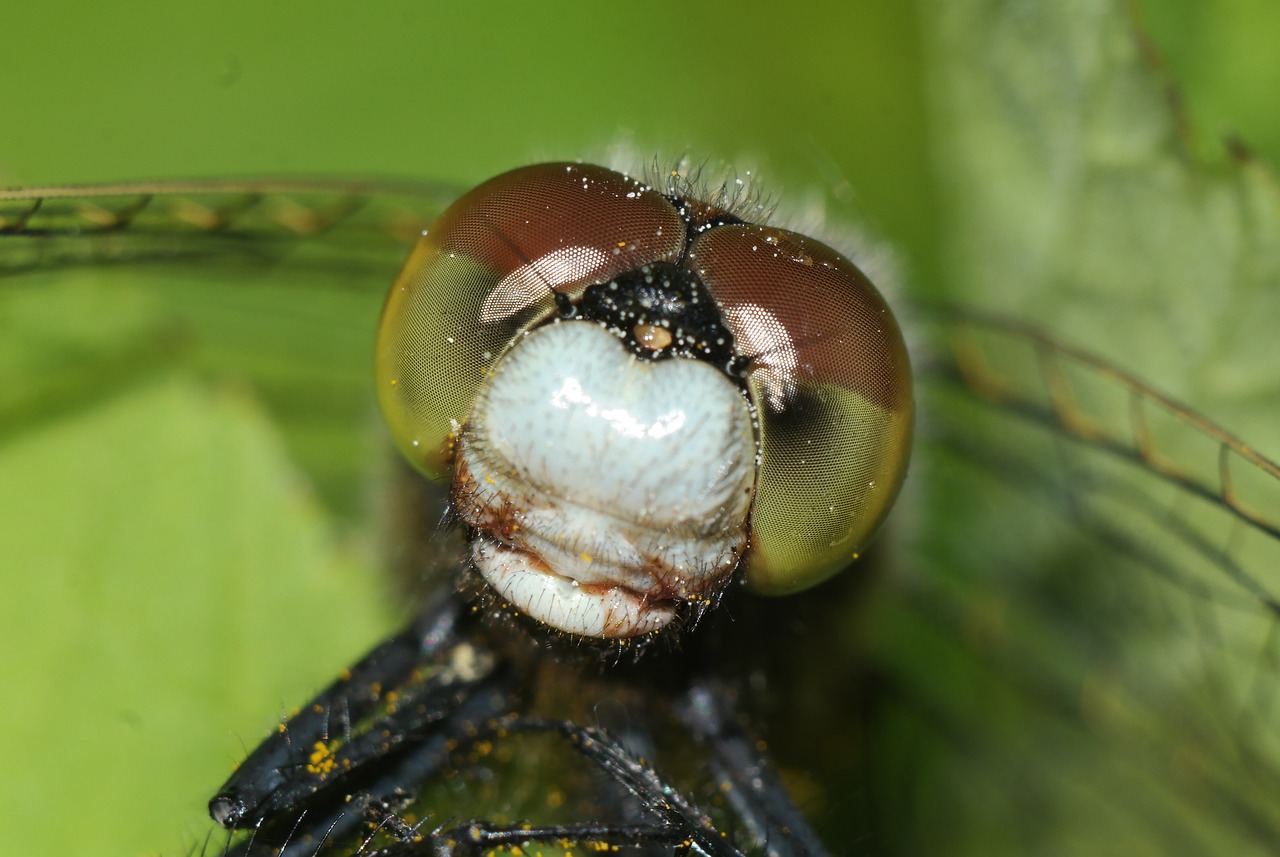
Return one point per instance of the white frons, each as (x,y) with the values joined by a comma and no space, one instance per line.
(629,480)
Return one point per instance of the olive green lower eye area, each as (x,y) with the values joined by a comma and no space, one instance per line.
(830,469)
(434,348)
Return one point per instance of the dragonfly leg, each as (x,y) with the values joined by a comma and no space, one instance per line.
(357,754)
(747,778)
(477,837)
(385,725)
(676,824)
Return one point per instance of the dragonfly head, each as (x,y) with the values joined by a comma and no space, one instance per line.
(634,394)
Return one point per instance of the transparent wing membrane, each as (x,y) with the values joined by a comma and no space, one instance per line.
(1152,637)
(104,288)
(1223,497)
(1104,406)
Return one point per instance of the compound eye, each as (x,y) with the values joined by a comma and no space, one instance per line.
(829,375)
(489,268)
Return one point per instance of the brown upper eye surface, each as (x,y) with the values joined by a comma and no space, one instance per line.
(801,312)
(488,269)
(829,371)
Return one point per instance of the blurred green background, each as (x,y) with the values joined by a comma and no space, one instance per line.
(173,580)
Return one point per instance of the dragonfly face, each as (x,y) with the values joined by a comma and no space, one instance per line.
(634,392)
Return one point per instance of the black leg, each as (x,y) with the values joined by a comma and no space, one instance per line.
(747,778)
(676,824)
(357,754)
(381,726)
(391,783)
(479,837)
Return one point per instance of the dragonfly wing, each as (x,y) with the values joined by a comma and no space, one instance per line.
(1084,632)
(218,220)
(103,286)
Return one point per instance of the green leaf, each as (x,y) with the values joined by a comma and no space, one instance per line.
(136,687)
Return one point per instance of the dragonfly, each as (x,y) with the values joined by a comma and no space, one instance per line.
(154,222)
(1048,400)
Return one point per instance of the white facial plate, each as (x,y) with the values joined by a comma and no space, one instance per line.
(608,488)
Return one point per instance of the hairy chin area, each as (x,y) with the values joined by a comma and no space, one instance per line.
(500,618)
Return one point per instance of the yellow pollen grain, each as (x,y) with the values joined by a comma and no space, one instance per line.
(585,557)
(321,761)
